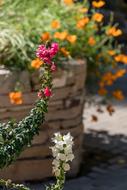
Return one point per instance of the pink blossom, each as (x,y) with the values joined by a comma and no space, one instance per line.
(55,47)
(53,67)
(40,94)
(47,92)
(46,54)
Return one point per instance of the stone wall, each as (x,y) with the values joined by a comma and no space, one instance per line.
(65,114)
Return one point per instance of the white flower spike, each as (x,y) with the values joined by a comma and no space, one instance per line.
(62,152)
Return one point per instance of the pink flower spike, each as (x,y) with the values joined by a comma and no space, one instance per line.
(53,67)
(47,92)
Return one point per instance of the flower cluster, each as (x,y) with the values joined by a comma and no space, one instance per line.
(47,53)
(62,153)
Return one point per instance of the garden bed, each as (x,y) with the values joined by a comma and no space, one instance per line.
(65,114)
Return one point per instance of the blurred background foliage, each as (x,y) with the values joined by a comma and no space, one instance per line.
(24,23)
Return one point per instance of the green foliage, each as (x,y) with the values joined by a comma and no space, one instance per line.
(23,22)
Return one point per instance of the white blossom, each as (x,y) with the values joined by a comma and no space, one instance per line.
(61,156)
(66,167)
(62,152)
(70,157)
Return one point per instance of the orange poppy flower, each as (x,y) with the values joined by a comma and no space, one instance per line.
(68,2)
(98,17)
(120,73)
(98,4)
(61,35)
(118,95)
(102,91)
(55,24)
(108,78)
(36,63)
(111,52)
(83,10)
(64,51)
(119,58)
(91,41)
(72,38)
(82,22)
(45,36)
(113,32)
(15,97)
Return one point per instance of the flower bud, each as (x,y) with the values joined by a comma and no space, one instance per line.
(47,92)
(40,94)
(53,67)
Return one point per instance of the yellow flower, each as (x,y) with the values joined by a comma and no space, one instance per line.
(61,35)
(15,97)
(55,24)
(64,51)
(68,2)
(98,17)
(82,22)
(36,63)
(118,95)
(91,41)
(83,10)
(98,4)
(45,36)
(111,52)
(114,32)
(72,38)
